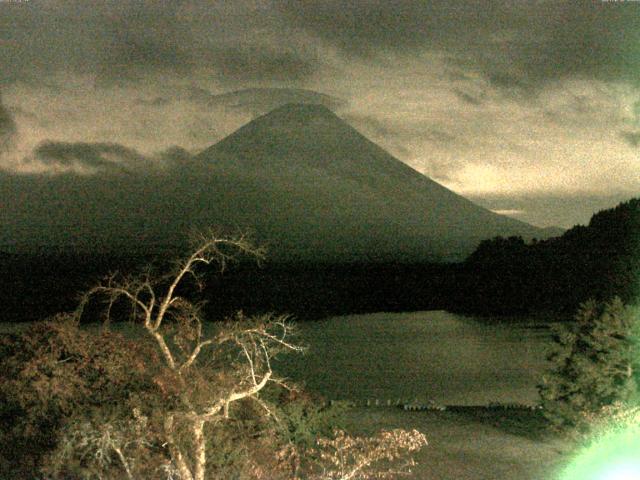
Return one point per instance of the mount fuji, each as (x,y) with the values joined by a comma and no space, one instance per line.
(316,188)
(306,183)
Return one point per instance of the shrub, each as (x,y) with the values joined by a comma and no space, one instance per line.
(612,419)
(359,458)
(53,371)
(595,364)
(304,418)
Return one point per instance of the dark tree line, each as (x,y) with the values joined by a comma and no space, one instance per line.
(599,261)
(502,276)
(36,286)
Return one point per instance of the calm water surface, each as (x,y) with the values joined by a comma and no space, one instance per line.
(427,355)
(432,355)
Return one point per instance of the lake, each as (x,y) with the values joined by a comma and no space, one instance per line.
(434,355)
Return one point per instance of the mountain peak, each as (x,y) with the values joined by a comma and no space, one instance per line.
(299,114)
(302,179)
(292,132)
(304,109)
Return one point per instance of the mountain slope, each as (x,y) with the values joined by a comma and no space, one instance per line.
(306,173)
(306,183)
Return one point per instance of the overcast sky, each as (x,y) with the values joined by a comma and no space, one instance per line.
(531,108)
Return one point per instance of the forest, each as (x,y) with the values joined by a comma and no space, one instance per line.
(503,276)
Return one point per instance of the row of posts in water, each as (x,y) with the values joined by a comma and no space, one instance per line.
(416,405)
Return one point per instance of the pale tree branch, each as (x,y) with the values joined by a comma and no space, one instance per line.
(209,250)
(250,362)
(164,348)
(124,462)
(265,407)
(250,342)
(194,354)
(174,450)
(234,397)
(200,453)
(224,403)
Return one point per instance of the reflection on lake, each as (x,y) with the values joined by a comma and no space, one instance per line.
(433,355)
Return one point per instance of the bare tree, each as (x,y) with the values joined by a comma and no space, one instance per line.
(173,397)
(204,374)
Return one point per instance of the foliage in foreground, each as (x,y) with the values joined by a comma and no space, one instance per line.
(345,457)
(612,419)
(55,373)
(595,364)
(171,401)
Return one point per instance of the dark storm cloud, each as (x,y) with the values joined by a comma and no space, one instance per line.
(112,39)
(258,64)
(108,158)
(468,98)
(7,127)
(516,44)
(153,102)
(366,27)
(632,138)
(101,156)
(121,41)
(38,38)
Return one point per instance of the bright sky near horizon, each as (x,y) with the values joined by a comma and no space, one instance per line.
(529,108)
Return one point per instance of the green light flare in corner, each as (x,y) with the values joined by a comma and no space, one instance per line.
(615,456)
